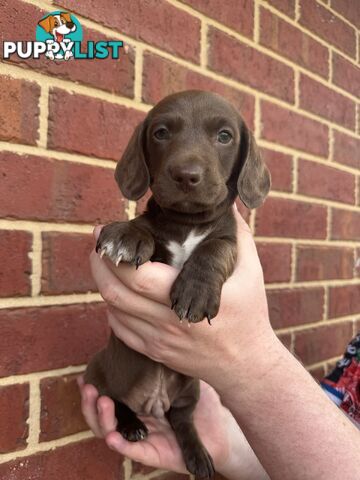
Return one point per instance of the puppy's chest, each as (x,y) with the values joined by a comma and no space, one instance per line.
(180,250)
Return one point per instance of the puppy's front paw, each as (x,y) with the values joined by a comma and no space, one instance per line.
(125,242)
(194,299)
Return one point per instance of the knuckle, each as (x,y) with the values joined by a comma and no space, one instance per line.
(110,294)
(142,281)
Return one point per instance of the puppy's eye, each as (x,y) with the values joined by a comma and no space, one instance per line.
(224,136)
(162,133)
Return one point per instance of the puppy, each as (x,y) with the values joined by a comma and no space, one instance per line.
(58,25)
(196,154)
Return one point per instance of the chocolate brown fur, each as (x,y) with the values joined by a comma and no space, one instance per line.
(194,174)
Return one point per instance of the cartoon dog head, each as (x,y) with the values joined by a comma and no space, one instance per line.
(58,25)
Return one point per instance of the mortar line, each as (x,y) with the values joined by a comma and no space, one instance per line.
(56,155)
(326,303)
(331,145)
(45,446)
(306,156)
(316,200)
(139,59)
(107,31)
(308,326)
(339,282)
(34,413)
(297,12)
(39,227)
(308,241)
(293,263)
(36,267)
(131,210)
(297,88)
(43,118)
(328,223)
(331,66)
(295,174)
(38,376)
(256,22)
(203,44)
(49,300)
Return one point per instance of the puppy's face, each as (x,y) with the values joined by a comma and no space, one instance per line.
(194,151)
(58,25)
(192,143)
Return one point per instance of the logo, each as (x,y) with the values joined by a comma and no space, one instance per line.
(59,37)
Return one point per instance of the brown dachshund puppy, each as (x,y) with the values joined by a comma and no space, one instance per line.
(196,154)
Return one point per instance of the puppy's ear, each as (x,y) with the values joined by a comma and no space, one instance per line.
(66,16)
(46,23)
(132,174)
(254,179)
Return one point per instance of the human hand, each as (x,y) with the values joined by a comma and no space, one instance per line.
(139,315)
(214,423)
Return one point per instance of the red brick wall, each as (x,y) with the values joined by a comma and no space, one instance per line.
(290,66)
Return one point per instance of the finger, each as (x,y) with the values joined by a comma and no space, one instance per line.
(137,451)
(107,420)
(89,396)
(96,231)
(247,252)
(152,279)
(124,298)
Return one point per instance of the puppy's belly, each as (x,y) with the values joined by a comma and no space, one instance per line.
(153,393)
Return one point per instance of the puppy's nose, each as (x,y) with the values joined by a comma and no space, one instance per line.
(70,25)
(186,176)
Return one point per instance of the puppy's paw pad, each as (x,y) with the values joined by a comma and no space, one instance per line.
(134,433)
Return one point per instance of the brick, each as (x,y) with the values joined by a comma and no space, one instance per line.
(90,126)
(19,114)
(14,411)
(280,166)
(289,218)
(243,63)
(60,413)
(346,75)
(318,373)
(236,14)
(324,263)
(331,28)
(15,247)
(345,225)
(290,42)
(288,308)
(284,6)
(139,468)
(46,189)
(171,476)
(90,459)
(285,339)
(346,149)
(322,181)
(347,10)
(65,263)
(317,344)
(344,300)
(275,259)
(321,100)
(37,339)
(115,76)
(155,22)
(162,77)
(293,130)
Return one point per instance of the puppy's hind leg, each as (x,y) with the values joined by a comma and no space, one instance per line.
(197,459)
(129,425)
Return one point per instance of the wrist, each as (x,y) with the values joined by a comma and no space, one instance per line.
(245,363)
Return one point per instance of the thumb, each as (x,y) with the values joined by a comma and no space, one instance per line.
(96,231)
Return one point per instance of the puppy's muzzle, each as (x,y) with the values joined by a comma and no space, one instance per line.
(188,176)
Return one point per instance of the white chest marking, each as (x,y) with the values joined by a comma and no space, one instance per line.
(181,252)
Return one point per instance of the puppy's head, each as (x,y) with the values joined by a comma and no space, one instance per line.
(194,151)
(58,25)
